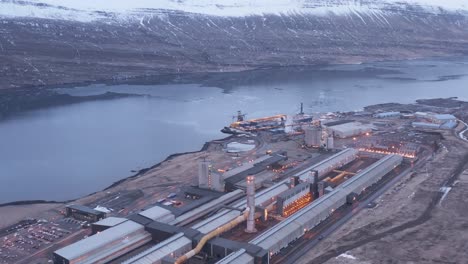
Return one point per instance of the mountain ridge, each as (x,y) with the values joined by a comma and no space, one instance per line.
(88,11)
(53,51)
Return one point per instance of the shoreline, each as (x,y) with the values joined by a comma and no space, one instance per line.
(184,77)
(24,99)
(117,183)
(203,148)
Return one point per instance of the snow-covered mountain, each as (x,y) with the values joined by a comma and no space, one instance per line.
(89,10)
(62,41)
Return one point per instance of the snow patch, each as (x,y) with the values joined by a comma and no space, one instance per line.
(445,190)
(89,10)
(345,255)
(236,147)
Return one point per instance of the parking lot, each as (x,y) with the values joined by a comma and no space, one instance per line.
(29,239)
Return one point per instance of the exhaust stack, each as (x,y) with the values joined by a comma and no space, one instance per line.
(251,204)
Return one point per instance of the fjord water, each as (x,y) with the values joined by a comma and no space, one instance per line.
(65,152)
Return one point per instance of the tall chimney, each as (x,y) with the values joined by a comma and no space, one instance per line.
(251,204)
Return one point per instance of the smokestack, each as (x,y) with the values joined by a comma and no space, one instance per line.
(251,204)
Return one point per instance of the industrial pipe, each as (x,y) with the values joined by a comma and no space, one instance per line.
(211,235)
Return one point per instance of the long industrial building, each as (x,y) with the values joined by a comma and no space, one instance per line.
(326,166)
(298,224)
(105,246)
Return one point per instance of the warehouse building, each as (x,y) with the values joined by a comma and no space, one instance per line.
(326,166)
(388,115)
(114,238)
(442,118)
(105,246)
(84,213)
(424,125)
(350,129)
(267,162)
(106,223)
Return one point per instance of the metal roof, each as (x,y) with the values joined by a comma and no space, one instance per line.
(155,212)
(445,117)
(218,221)
(425,125)
(110,221)
(204,209)
(225,216)
(244,167)
(343,128)
(238,174)
(330,161)
(85,209)
(385,114)
(161,250)
(239,257)
(104,240)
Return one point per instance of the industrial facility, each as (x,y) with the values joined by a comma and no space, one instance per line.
(300,177)
(252,208)
(299,203)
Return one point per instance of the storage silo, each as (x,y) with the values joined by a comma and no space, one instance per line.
(313,136)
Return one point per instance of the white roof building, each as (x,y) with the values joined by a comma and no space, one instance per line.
(107,245)
(350,129)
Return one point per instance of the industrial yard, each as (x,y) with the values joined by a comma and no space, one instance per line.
(327,187)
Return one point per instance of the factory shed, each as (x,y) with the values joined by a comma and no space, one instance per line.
(161,231)
(238,257)
(326,166)
(387,115)
(105,246)
(442,118)
(84,213)
(350,129)
(336,123)
(239,174)
(205,209)
(449,124)
(174,247)
(221,247)
(157,213)
(425,125)
(106,223)
(244,167)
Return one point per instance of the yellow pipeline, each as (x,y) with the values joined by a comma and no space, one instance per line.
(211,235)
(341,175)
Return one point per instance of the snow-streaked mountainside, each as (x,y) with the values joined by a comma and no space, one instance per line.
(90,10)
(44,42)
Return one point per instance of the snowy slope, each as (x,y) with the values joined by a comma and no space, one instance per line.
(134,38)
(88,10)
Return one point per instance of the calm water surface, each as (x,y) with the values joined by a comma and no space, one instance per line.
(66,152)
